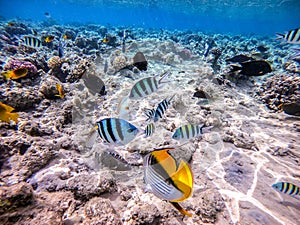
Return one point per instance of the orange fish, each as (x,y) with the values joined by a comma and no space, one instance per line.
(60,90)
(67,37)
(15,74)
(11,24)
(6,114)
(49,38)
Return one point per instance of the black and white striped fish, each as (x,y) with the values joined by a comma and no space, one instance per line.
(146,86)
(161,108)
(149,113)
(169,178)
(187,132)
(150,128)
(32,42)
(287,188)
(291,37)
(117,131)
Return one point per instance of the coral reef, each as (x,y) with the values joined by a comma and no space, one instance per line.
(55,169)
(279,89)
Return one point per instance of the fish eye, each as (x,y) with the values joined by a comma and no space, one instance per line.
(130,130)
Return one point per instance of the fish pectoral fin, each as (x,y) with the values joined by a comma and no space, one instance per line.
(180,209)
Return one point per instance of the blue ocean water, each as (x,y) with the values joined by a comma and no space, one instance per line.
(225,16)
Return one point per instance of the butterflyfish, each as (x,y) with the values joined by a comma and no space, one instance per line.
(146,86)
(169,179)
(287,188)
(105,40)
(6,114)
(15,74)
(49,38)
(291,36)
(61,92)
(116,131)
(66,37)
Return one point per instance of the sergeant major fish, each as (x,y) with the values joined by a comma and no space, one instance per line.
(146,86)
(116,131)
(187,132)
(168,179)
(291,37)
(161,108)
(287,188)
(32,42)
(150,128)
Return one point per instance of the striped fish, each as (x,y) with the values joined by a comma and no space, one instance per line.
(149,113)
(287,188)
(169,179)
(187,132)
(146,86)
(117,131)
(291,37)
(161,108)
(150,128)
(32,42)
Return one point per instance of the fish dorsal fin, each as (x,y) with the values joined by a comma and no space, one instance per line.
(163,76)
(183,179)
(165,160)
(4,107)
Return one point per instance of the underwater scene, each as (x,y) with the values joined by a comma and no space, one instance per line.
(150,112)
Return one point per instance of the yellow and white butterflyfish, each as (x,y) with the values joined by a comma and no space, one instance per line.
(168,179)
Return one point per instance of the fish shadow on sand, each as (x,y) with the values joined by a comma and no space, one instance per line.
(295,205)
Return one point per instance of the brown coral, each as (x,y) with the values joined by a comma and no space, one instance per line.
(119,62)
(54,62)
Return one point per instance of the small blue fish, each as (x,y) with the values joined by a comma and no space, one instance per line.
(146,86)
(161,108)
(116,131)
(61,49)
(150,128)
(287,188)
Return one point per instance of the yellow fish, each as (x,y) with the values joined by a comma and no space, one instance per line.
(49,38)
(6,114)
(60,90)
(15,74)
(67,37)
(105,40)
(168,179)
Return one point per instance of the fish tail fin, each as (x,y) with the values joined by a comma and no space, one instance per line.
(14,117)
(204,129)
(279,36)
(180,209)
(164,75)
